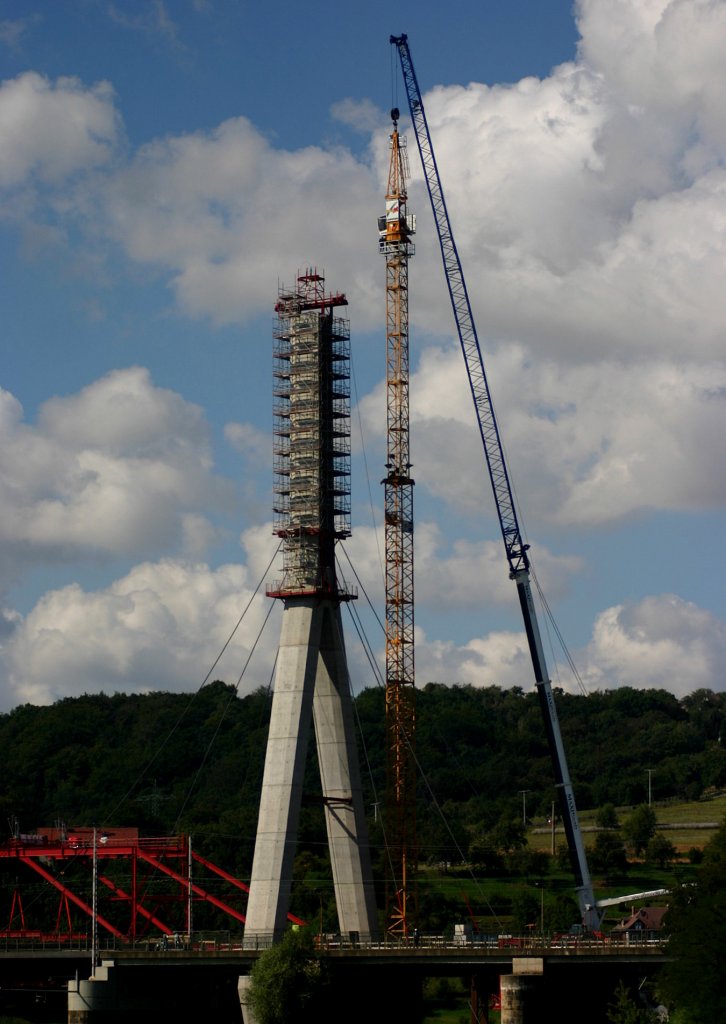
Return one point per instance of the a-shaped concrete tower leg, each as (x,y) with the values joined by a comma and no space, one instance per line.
(311,674)
(282,782)
(340,777)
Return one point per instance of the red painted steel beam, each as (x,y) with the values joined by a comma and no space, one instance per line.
(195,888)
(138,908)
(71,896)
(235,881)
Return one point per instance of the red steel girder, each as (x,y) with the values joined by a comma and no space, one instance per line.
(30,861)
(194,887)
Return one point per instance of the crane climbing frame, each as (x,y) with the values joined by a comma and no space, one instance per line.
(516,549)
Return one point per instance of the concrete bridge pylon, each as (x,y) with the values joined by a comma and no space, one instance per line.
(312,685)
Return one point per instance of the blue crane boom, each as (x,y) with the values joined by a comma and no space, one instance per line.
(516,549)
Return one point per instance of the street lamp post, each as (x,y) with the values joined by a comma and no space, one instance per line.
(650,790)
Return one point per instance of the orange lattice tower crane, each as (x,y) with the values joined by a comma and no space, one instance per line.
(395,229)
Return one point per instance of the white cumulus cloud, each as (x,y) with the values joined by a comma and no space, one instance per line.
(160,627)
(661,641)
(51,130)
(120,468)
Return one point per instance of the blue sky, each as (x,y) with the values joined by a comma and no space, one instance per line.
(164,165)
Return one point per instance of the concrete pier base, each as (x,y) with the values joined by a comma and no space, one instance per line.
(521,991)
(243,986)
(94,1000)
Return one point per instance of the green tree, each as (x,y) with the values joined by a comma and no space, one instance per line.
(508,835)
(639,828)
(485,856)
(697,945)
(608,854)
(288,982)
(624,1008)
(660,850)
(607,817)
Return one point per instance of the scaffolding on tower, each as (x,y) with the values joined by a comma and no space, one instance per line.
(312,436)
(395,229)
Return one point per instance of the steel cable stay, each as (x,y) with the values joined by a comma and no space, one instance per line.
(233,694)
(162,745)
(367,472)
(368,649)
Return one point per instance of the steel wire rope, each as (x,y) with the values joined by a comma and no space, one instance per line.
(161,746)
(228,704)
(570,661)
(549,615)
(434,800)
(367,648)
(365,592)
(367,472)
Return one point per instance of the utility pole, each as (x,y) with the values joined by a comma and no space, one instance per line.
(94,901)
(524,805)
(650,788)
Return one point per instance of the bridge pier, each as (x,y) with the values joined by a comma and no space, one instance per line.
(243,984)
(95,999)
(521,991)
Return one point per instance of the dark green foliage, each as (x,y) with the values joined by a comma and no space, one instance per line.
(660,850)
(639,828)
(526,909)
(626,1009)
(288,982)
(171,763)
(608,855)
(606,817)
(693,981)
(485,856)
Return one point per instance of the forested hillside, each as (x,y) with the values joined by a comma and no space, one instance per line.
(174,762)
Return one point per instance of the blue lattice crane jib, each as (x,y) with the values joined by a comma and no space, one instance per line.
(516,549)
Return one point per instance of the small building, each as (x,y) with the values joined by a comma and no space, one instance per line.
(645,923)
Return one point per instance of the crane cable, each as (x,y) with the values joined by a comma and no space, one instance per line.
(543,600)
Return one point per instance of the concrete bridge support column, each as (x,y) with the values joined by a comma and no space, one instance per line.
(521,991)
(94,1000)
(243,985)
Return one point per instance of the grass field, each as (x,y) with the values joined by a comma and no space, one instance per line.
(695,813)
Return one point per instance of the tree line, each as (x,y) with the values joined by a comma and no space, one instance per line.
(173,763)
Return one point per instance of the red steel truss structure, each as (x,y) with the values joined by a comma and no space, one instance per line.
(152,884)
